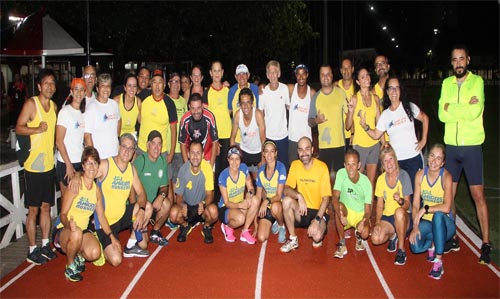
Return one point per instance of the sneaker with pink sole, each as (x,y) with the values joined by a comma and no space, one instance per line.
(228,233)
(246,236)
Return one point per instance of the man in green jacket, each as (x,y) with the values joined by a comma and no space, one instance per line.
(461,107)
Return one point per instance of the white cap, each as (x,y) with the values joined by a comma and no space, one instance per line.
(241,69)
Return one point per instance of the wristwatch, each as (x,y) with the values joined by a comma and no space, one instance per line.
(317,218)
(426,207)
(163,195)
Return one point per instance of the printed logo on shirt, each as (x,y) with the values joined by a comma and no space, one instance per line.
(109,116)
(84,204)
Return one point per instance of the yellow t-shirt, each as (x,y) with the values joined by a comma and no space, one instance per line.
(116,189)
(128,117)
(362,138)
(181,108)
(41,157)
(348,92)
(387,193)
(218,105)
(432,193)
(154,116)
(333,106)
(313,184)
(83,206)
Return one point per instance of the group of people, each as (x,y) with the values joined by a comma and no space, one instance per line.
(244,156)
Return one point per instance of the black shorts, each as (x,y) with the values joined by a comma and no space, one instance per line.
(61,171)
(124,223)
(251,159)
(269,215)
(40,187)
(333,157)
(390,219)
(305,221)
(192,215)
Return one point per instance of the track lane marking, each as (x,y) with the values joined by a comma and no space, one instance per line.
(380,276)
(260,270)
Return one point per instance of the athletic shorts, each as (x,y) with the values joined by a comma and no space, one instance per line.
(268,215)
(192,215)
(333,157)
(368,155)
(251,159)
(390,219)
(353,218)
(305,221)
(61,171)
(124,223)
(40,187)
(466,158)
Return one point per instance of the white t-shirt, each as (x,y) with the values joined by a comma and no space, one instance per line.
(73,120)
(401,131)
(101,120)
(299,114)
(274,104)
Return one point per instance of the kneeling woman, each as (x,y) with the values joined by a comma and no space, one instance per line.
(70,232)
(393,192)
(237,208)
(433,222)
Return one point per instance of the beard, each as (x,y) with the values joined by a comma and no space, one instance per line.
(462,74)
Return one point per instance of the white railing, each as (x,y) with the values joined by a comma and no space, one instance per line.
(16,216)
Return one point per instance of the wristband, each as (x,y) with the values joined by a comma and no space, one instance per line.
(110,233)
(367,128)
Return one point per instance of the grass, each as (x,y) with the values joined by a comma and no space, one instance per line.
(464,202)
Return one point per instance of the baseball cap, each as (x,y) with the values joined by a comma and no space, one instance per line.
(153,134)
(242,69)
(301,66)
(233,150)
(158,72)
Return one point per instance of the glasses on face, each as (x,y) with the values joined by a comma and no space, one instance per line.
(129,149)
(392,88)
(88,76)
(90,163)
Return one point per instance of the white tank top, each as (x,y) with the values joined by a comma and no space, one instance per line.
(299,113)
(250,137)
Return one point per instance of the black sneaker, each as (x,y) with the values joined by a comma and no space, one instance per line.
(47,252)
(485,254)
(80,263)
(206,232)
(184,232)
(36,257)
(392,245)
(156,237)
(72,273)
(451,245)
(400,257)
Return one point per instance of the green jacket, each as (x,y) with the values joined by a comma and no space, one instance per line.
(463,122)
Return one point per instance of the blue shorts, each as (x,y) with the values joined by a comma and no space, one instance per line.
(466,158)
(390,219)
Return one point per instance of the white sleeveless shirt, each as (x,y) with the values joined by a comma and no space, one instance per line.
(250,136)
(299,113)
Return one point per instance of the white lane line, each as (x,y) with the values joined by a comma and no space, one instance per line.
(143,268)
(19,275)
(260,270)
(378,272)
(475,239)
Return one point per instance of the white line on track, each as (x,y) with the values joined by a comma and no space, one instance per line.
(260,269)
(16,277)
(143,268)
(475,239)
(378,272)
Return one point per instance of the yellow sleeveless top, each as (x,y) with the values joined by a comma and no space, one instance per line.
(349,93)
(41,158)
(128,117)
(116,189)
(83,206)
(217,103)
(362,138)
(432,193)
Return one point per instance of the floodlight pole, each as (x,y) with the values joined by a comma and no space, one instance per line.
(325,31)
(88,33)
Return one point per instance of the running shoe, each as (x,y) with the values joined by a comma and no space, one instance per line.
(485,254)
(157,238)
(171,225)
(247,237)
(135,251)
(275,228)
(451,245)
(184,232)
(72,274)
(80,263)
(400,257)
(341,251)
(290,245)
(228,232)
(393,243)
(360,245)
(47,252)
(437,269)
(317,244)
(36,257)
(347,234)
(282,234)
(431,255)
(206,232)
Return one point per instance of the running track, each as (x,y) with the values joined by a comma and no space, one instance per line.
(238,270)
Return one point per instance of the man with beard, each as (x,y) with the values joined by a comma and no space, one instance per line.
(347,85)
(382,68)
(461,107)
(352,201)
(307,195)
(198,124)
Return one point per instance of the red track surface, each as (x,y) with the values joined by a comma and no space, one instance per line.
(230,270)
